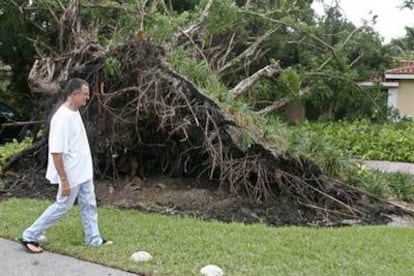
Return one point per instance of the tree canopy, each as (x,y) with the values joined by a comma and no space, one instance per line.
(320,59)
(189,87)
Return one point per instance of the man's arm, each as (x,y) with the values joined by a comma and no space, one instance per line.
(58,161)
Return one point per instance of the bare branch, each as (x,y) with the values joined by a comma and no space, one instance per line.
(229,49)
(250,51)
(22,123)
(314,37)
(356,60)
(340,47)
(274,106)
(68,21)
(114,6)
(198,49)
(193,26)
(244,85)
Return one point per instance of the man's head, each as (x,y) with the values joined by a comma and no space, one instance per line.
(77,92)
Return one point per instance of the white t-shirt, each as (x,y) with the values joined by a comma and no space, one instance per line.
(67,135)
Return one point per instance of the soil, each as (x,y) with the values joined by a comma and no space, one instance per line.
(173,196)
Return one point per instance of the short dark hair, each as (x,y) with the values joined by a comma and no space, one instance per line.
(73,85)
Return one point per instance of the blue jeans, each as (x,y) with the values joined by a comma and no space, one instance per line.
(88,210)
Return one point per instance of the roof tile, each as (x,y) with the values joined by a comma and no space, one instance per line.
(407,67)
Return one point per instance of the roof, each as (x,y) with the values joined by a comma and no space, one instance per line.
(405,71)
(391,77)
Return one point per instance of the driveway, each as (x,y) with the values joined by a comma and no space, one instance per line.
(387,166)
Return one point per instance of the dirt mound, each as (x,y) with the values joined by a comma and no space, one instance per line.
(184,197)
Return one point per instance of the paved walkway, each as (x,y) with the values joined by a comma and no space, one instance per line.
(15,261)
(387,166)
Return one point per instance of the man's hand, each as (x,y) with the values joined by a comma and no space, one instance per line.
(65,188)
(64,183)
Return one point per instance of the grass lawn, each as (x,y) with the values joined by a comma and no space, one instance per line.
(181,246)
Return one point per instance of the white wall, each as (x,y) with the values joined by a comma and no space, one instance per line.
(392,100)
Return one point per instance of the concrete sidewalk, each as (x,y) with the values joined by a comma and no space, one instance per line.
(14,260)
(391,167)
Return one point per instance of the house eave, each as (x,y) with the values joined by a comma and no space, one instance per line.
(385,84)
(399,76)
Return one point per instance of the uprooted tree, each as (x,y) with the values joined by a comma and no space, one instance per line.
(144,117)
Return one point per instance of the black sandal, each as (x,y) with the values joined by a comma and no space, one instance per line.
(107,242)
(31,247)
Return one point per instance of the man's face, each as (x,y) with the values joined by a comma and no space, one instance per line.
(80,97)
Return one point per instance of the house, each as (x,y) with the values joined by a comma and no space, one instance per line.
(398,82)
(400,85)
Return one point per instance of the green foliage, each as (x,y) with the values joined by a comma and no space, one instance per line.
(10,149)
(112,26)
(18,29)
(401,186)
(290,79)
(318,148)
(112,67)
(353,55)
(287,85)
(333,145)
(223,17)
(404,47)
(336,98)
(365,140)
(292,43)
(162,27)
(199,73)
(275,131)
(386,185)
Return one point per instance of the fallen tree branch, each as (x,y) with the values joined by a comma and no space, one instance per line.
(191,28)
(371,195)
(341,46)
(249,52)
(244,85)
(274,106)
(22,123)
(40,79)
(312,36)
(67,23)
(28,151)
(4,191)
(114,6)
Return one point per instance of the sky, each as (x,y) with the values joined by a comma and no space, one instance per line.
(390,21)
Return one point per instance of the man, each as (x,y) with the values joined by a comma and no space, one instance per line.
(70,166)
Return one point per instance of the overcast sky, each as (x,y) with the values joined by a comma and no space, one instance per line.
(390,21)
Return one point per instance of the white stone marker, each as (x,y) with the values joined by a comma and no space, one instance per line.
(211,270)
(141,256)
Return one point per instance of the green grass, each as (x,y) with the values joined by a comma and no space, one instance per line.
(181,246)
